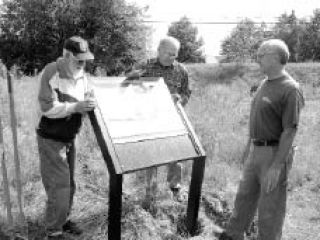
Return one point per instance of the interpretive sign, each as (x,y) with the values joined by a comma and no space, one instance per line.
(138,126)
(137,110)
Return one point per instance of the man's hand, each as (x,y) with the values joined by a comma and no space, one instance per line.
(89,95)
(176,97)
(85,106)
(135,74)
(271,179)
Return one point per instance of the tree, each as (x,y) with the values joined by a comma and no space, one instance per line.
(310,40)
(291,30)
(243,41)
(187,34)
(119,37)
(33,32)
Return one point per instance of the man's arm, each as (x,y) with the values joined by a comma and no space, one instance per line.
(184,90)
(50,105)
(136,71)
(285,145)
(290,120)
(48,98)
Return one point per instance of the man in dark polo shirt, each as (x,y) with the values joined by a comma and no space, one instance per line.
(176,78)
(274,121)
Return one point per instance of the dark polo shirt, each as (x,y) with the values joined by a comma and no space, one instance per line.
(175,76)
(275,107)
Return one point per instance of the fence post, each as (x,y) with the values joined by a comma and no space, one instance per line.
(5,179)
(13,121)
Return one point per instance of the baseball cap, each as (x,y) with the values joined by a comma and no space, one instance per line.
(79,48)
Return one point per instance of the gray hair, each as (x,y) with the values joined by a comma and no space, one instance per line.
(280,47)
(169,40)
(66,53)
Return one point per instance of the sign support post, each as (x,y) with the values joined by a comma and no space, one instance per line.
(115,206)
(195,194)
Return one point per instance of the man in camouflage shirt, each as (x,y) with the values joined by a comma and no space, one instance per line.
(176,77)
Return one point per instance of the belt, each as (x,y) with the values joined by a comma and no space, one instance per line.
(261,142)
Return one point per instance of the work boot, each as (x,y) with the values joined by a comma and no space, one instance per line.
(179,193)
(72,228)
(175,189)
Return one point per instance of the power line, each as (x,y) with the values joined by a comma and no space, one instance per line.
(212,23)
(242,21)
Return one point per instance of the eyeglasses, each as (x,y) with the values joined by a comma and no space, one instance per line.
(81,62)
(77,61)
(261,55)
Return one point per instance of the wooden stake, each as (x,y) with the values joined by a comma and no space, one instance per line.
(13,121)
(5,179)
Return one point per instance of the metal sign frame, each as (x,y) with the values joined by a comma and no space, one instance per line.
(110,153)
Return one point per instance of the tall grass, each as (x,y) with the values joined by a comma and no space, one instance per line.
(219,111)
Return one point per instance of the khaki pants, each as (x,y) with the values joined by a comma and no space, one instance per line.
(174,177)
(57,162)
(252,197)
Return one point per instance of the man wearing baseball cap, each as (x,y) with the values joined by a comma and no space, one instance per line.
(62,102)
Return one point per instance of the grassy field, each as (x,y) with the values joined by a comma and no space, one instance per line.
(219,111)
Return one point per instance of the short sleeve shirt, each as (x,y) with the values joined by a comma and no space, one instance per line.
(175,76)
(275,107)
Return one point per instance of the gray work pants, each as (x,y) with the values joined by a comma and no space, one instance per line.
(174,177)
(57,162)
(252,197)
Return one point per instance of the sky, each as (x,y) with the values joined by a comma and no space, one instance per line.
(219,11)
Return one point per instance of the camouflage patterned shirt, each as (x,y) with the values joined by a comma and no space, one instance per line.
(175,76)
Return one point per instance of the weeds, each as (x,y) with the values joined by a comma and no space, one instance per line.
(219,111)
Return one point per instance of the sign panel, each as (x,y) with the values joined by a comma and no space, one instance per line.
(137,110)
